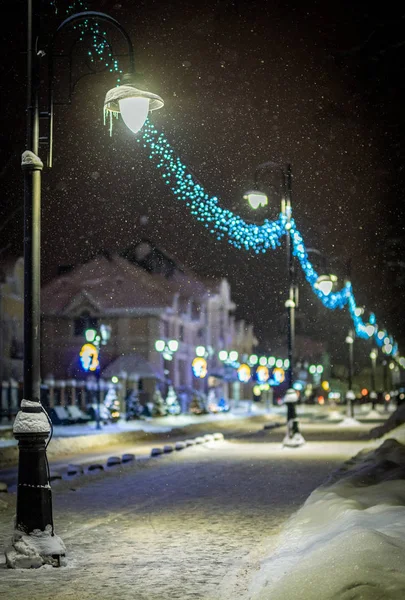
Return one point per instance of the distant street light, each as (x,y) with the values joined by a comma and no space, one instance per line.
(32,425)
(325,283)
(167,349)
(257,198)
(350,396)
(373,393)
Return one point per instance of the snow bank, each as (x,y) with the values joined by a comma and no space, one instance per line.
(393,421)
(348,539)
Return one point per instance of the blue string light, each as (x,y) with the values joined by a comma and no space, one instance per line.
(258,238)
(222,222)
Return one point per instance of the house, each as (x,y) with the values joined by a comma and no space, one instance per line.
(142,296)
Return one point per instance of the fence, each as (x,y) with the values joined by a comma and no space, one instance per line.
(53,393)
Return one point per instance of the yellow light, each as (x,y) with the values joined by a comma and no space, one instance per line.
(244,373)
(325,385)
(114,379)
(89,357)
(262,374)
(279,374)
(199,367)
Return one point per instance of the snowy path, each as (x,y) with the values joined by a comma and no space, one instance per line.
(180,526)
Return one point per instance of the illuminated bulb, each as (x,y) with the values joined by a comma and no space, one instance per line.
(370,330)
(160,345)
(134,112)
(173,345)
(256,199)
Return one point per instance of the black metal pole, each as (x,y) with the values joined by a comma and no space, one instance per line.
(385,375)
(350,376)
(31,427)
(373,392)
(292,422)
(98,399)
(32,167)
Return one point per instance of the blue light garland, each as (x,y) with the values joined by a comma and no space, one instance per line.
(258,238)
(223,222)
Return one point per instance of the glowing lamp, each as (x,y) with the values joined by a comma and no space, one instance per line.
(253,358)
(222,355)
(370,329)
(200,351)
(160,345)
(173,345)
(256,199)
(89,357)
(278,375)
(263,361)
(133,104)
(199,367)
(262,374)
(325,283)
(244,373)
(233,355)
(90,335)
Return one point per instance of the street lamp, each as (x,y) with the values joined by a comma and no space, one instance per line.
(350,394)
(96,338)
(167,348)
(258,198)
(32,426)
(373,393)
(325,283)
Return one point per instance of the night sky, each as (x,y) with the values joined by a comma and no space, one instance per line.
(316,84)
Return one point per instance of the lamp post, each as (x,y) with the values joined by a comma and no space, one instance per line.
(167,349)
(98,337)
(350,394)
(32,426)
(256,199)
(373,393)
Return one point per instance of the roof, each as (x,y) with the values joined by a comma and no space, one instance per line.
(109,283)
(132,365)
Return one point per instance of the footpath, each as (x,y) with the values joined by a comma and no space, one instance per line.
(191,524)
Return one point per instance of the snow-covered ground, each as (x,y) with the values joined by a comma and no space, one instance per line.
(348,540)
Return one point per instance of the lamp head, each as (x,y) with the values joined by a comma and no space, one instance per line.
(256,198)
(325,283)
(132,103)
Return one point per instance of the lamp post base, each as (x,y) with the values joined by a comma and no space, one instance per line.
(293,438)
(31,551)
(33,543)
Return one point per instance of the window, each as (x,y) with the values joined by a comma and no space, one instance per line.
(85,321)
